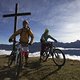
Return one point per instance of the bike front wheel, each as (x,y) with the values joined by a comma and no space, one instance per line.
(58,57)
(18,64)
(11,59)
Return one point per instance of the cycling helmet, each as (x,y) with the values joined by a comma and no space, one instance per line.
(46,30)
(25,21)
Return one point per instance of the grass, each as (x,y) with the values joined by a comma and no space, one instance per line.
(41,71)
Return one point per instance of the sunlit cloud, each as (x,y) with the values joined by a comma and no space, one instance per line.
(65,21)
(61,17)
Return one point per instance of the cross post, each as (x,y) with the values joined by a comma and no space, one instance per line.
(15,20)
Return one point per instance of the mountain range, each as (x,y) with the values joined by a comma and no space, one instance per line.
(36,46)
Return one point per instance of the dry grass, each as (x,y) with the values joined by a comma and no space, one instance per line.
(41,71)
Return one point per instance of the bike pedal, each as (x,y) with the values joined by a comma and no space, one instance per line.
(23,67)
(47,55)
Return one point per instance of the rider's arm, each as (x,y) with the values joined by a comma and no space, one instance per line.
(31,35)
(42,38)
(52,38)
(15,34)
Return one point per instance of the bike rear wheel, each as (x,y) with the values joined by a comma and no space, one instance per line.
(58,57)
(43,57)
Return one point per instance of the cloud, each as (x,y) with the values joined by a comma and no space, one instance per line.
(62,17)
(73,57)
(37,54)
(65,21)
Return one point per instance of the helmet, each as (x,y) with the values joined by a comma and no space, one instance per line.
(25,21)
(46,30)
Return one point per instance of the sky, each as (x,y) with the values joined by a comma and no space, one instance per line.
(61,17)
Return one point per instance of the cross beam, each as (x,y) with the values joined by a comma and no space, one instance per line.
(15,20)
(18,14)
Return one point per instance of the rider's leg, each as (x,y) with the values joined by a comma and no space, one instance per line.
(26,57)
(41,53)
(26,51)
(42,50)
(50,46)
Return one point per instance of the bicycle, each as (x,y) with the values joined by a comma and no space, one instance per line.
(57,55)
(17,56)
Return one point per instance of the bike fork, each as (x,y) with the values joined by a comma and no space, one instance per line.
(17,53)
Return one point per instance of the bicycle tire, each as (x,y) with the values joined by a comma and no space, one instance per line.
(18,65)
(58,57)
(11,58)
(43,57)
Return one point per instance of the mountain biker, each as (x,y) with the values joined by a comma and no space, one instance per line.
(24,33)
(44,41)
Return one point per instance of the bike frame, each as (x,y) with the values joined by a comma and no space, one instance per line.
(20,51)
(55,53)
(51,48)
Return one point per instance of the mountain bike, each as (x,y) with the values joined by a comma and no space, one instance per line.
(17,57)
(57,55)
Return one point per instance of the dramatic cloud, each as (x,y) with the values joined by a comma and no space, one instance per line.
(61,17)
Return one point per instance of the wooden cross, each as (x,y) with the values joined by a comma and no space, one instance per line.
(15,20)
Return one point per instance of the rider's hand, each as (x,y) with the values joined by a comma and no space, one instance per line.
(56,41)
(29,43)
(10,40)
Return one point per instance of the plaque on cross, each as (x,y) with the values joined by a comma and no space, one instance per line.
(15,20)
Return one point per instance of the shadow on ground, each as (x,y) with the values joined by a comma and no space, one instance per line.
(33,71)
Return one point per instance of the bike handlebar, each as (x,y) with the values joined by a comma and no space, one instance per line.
(18,42)
(51,42)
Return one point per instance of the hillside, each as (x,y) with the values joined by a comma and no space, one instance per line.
(41,71)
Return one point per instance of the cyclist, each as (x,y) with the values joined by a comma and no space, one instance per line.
(44,41)
(24,33)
